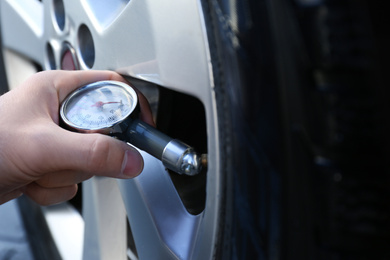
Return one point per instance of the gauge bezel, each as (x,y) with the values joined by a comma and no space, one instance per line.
(90,87)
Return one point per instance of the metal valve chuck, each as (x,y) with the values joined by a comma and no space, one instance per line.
(174,154)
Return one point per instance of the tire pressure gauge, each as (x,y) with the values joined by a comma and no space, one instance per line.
(107,107)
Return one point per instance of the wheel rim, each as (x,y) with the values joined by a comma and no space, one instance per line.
(155,43)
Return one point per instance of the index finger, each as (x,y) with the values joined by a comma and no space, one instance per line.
(67,81)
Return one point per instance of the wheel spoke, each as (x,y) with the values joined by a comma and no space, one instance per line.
(22,27)
(157,215)
(149,49)
(105,220)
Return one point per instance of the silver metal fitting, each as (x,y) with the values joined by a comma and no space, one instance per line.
(181,158)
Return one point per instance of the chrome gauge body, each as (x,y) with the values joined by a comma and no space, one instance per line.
(99,107)
(107,106)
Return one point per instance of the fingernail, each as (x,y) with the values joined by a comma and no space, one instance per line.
(132,164)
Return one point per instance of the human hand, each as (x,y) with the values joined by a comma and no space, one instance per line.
(44,161)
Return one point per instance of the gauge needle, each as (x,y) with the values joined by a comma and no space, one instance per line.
(100,103)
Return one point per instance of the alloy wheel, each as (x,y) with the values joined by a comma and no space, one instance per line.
(165,50)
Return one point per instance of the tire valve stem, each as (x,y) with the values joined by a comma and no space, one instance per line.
(204,160)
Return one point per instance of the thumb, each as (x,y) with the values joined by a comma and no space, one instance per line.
(98,154)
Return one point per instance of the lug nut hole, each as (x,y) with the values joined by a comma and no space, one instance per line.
(59,13)
(86,46)
(50,59)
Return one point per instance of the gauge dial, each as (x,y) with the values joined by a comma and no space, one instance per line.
(99,105)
